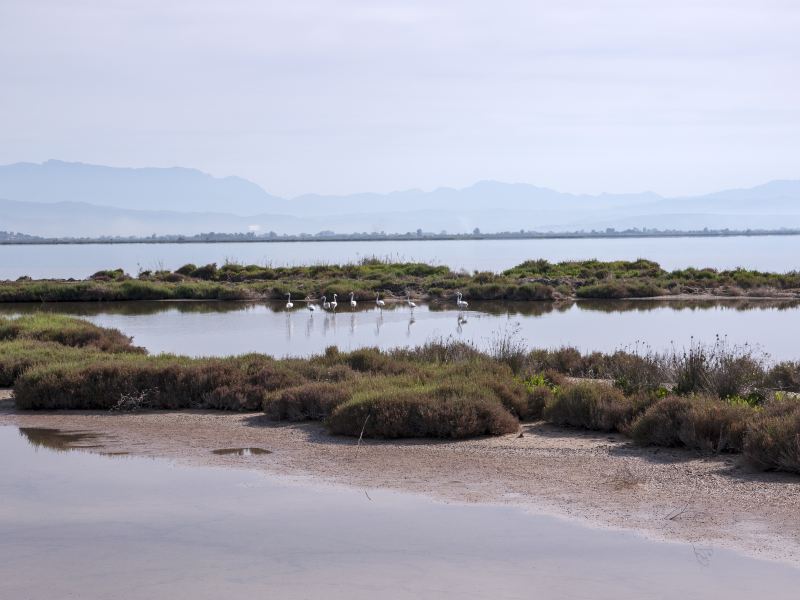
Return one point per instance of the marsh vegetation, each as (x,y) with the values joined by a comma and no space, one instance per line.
(713,398)
(530,280)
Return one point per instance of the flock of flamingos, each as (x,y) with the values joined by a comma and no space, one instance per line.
(332,305)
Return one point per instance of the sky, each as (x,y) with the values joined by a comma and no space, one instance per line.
(678,97)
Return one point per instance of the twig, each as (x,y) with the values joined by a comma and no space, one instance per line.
(360,437)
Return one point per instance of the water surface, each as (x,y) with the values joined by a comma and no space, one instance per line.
(226,328)
(80,525)
(768,253)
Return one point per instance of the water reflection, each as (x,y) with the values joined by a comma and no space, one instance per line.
(241,451)
(225,328)
(59,440)
(78,525)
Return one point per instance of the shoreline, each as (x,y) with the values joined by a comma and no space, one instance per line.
(599,480)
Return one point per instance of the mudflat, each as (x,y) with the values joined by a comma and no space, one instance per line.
(599,479)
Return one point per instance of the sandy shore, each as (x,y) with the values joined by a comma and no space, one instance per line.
(601,480)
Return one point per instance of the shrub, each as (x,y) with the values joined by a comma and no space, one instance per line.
(660,424)
(713,425)
(538,397)
(421,412)
(773,439)
(67,331)
(171,382)
(309,401)
(784,376)
(588,405)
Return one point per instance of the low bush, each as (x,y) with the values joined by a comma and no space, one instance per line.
(172,382)
(424,411)
(310,401)
(773,438)
(589,405)
(661,423)
(67,331)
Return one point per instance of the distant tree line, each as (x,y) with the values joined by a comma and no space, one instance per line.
(8,237)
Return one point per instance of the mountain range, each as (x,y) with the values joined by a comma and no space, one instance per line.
(57,199)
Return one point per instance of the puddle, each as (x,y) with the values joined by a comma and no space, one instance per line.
(242,451)
(82,525)
(60,440)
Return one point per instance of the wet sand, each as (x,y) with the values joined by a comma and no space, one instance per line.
(600,480)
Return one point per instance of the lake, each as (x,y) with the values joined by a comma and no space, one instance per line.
(225,328)
(766,253)
(74,524)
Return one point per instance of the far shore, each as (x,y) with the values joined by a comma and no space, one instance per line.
(597,478)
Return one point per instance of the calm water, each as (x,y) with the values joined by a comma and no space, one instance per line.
(80,525)
(774,253)
(224,328)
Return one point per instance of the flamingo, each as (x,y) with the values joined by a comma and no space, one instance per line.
(409,302)
(352,300)
(289,303)
(378,302)
(334,304)
(461,303)
(325,304)
(311,307)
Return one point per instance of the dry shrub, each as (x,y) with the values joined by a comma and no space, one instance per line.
(588,405)
(174,383)
(660,424)
(421,412)
(712,425)
(538,397)
(310,401)
(701,423)
(773,438)
(784,376)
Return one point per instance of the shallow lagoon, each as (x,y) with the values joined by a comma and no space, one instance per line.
(83,525)
(765,253)
(225,328)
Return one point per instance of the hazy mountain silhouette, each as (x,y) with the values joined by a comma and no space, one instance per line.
(62,199)
(178,189)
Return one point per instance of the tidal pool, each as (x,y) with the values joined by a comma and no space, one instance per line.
(226,328)
(75,524)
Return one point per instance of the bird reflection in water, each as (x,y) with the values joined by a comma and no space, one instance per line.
(411,321)
(378,323)
(461,322)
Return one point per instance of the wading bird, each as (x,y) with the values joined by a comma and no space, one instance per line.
(334,304)
(461,303)
(352,300)
(409,302)
(289,301)
(378,302)
(325,304)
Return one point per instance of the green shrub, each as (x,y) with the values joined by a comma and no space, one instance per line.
(67,331)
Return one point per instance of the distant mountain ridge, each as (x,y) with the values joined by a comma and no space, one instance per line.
(174,188)
(57,199)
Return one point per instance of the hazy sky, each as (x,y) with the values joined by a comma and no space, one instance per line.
(337,96)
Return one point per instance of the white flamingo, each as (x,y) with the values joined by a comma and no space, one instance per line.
(461,303)
(311,307)
(378,302)
(334,304)
(409,302)
(325,304)
(352,300)
(289,303)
